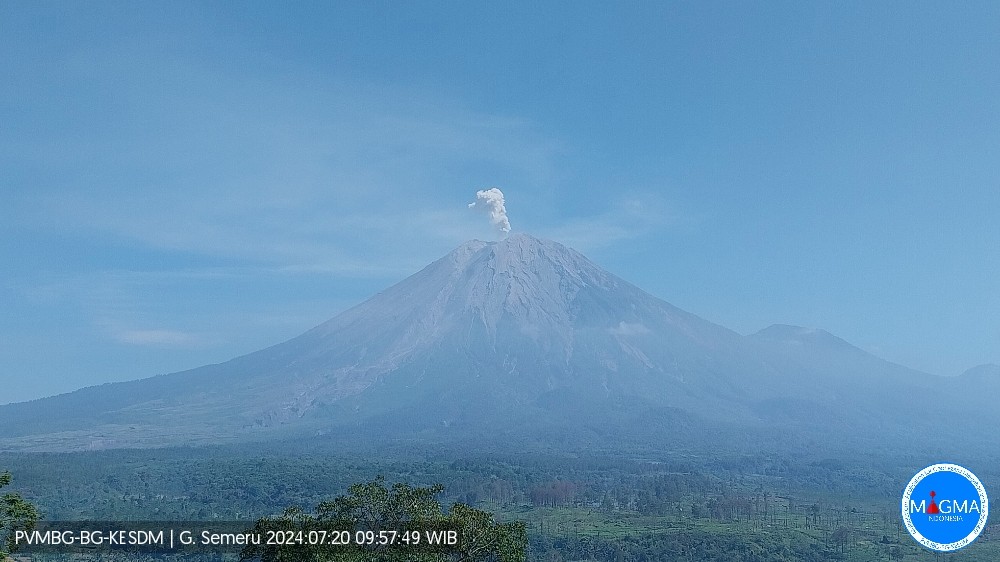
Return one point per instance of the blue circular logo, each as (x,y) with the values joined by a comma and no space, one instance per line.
(945,507)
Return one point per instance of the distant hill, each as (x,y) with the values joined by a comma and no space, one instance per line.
(517,341)
(989,373)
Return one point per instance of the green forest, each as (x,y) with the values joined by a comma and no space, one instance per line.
(685,507)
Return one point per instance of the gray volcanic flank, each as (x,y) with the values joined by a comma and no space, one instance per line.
(522,337)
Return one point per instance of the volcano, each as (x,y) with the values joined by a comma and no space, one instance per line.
(520,339)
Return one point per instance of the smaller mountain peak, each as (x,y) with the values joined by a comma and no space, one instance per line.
(988,371)
(798,334)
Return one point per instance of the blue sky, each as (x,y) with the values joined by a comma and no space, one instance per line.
(185,182)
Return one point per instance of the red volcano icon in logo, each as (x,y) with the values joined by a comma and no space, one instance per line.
(932,509)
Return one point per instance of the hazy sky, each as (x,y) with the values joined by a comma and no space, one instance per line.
(183,182)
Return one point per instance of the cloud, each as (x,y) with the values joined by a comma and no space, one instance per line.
(491,200)
(266,169)
(164,338)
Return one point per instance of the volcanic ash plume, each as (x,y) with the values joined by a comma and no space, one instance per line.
(492,201)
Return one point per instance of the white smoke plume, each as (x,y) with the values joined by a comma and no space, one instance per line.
(491,200)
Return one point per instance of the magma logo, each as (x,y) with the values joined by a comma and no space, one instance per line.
(945,507)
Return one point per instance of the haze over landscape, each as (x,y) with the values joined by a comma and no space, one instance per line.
(517,342)
(588,282)
(188,183)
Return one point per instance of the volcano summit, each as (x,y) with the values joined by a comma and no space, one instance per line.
(521,340)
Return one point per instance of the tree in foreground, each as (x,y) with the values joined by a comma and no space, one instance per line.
(369,524)
(16,514)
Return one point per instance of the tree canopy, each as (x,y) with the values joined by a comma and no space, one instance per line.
(15,514)
(372,520)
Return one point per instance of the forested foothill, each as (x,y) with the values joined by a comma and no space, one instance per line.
(640,506)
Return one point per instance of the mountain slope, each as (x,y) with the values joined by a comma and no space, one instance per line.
(522,337)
